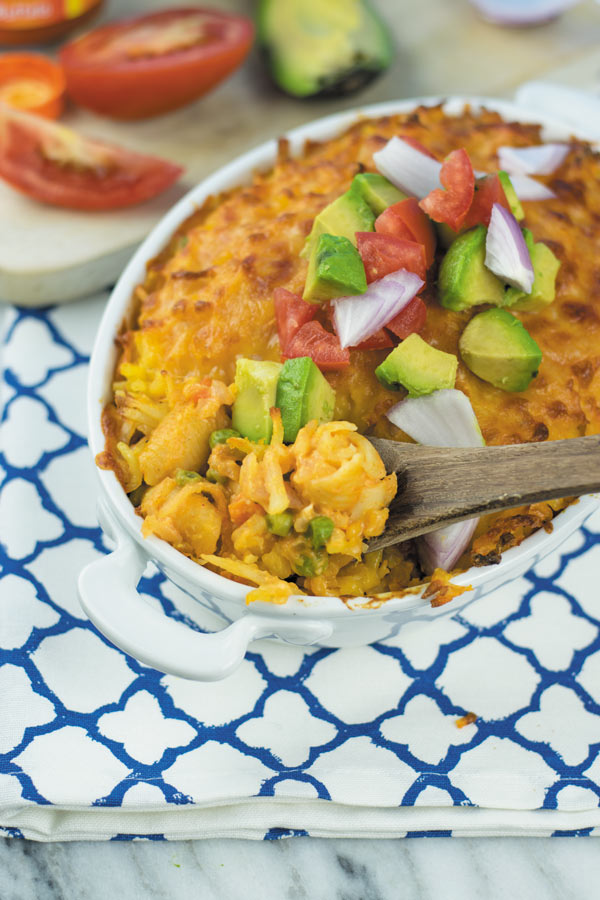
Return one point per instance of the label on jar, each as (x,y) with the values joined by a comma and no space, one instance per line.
(22,14)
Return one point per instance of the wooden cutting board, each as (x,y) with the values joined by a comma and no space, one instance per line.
(49,255)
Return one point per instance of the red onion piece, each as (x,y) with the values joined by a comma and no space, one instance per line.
(528,188)
(521,12)
(357,318)
(413,172)
(540,159)
(506,253)
(442,419)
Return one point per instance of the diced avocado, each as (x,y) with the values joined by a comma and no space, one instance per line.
(445,234)
(418,367)
(545,267)
(511,195)
(320,530)
(328,48)
(345,216)
(335,269)
(303,394)
(221,436)
(377,191)
(280,523)
(497,348)
(464,280)
(256,383)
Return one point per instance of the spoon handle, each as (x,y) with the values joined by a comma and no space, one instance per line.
(438,485)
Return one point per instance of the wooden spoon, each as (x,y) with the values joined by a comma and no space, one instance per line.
(441,485)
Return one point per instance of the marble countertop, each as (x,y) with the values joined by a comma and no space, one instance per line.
(442,47)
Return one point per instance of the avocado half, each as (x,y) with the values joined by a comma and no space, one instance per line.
(315,48)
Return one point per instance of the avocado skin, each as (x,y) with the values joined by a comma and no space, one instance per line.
(335,269)
(464,281)
(303,394)
(298,43)
(417,366)
(497,348)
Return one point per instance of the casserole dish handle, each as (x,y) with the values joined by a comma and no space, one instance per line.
(109,597)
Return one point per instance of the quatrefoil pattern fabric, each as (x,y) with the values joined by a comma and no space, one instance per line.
(86,729)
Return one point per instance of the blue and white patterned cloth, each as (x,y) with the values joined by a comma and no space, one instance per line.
(360,742)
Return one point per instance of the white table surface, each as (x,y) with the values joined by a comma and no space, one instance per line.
(442,48)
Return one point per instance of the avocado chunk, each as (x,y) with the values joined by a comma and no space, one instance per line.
(256,383)
(464,280)
(497,348)
(335,269)
(314,48)
(345,216)
(418,367)
(303,394)
(545,267)
(511,196)
(377,191)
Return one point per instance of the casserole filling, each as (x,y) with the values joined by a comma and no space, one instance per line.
(290,317)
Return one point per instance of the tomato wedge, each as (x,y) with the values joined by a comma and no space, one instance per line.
(151,64)
(55,165)
(409,320)
(406,220)
(452,205)
(32,82)
(322,346)
(291,312)
(382,254)
(488,190)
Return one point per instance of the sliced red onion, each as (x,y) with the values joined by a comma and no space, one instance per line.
(521,12)
(506,253)
(442,419)
(541,159)
(527,188)
(413,172)
(357,318)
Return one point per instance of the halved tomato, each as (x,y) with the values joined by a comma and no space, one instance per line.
(410,319)
(56,165)
(406,220)
(151,64)
(291,312)
(488,190)
(452,204)
(32,82)
(322,346)
(382,254)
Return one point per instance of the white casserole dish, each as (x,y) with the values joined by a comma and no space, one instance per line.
(107,587)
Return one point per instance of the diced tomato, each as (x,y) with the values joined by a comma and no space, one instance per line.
(55,165)
(409,320)
(322,346)
(291,312)
(381,340)
(382,254)
(406,220)
(488,190)
(417,145)
(452,204)
(156,62)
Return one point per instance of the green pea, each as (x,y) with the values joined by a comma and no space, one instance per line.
(137,495)
(311,564)
(183,477)
(320,530)
(221,435)
(215,477)
(280,523)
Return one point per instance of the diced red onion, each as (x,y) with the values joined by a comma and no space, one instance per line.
(527,188)
(442,419)
(521,12)
(413,172)
(541,159)
(357,318)
(506,253)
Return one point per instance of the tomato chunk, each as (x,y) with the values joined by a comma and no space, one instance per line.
(452,204)
(147,65)
(488,190)
(55,165)
(291,312)
(409,320)
(322,346)
(406,220)
(417,145)
(382,254)
(381,340)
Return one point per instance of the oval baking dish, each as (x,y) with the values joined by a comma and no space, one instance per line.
(108,586)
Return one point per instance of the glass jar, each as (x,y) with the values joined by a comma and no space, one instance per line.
(42,21)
